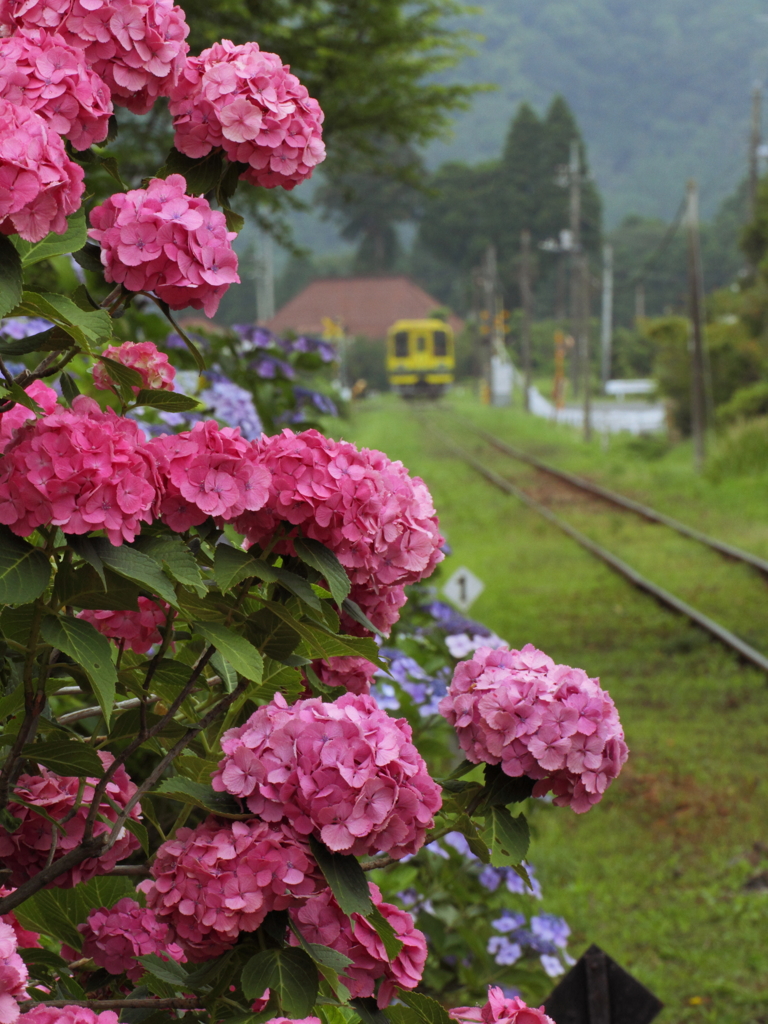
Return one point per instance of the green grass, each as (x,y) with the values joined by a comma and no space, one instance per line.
(656,873)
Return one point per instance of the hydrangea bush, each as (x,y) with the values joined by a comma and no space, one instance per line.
(207,810)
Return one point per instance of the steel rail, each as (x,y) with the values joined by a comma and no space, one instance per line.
(720,633)
(729,550)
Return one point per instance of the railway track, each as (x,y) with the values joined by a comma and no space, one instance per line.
(715,629)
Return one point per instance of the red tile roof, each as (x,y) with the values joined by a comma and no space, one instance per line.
(365,306)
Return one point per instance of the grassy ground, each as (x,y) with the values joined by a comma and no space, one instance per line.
(659,874)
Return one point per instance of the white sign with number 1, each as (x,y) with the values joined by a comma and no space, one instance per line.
(463,589)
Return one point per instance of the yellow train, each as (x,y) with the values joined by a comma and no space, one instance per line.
(420,357)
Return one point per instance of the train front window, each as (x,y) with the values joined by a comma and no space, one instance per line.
(421,343)
(440,343)
(401,345)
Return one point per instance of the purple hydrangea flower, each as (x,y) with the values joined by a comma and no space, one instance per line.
(305,396)
(256,336)
(233,405)
(551,928)
(504,952)
(509,921)
(269,367)
(19,327)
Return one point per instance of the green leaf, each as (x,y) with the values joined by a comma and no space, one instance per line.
(327,564)
(329,961)
(69,388)
(110,165)
(58,912)
(346,878)
(507,837)
(139,831)
(463,769)
(11,283)
(211,607)
(81,587)
(128,561)
(120,374)
(231,566)
(52,339)
(235,222)
(321,643)
(196,768)
(74,238)
(356,612)
(202,174)
(89,649)
(197,794)
(224,671)
(241,655)
(89,258)
(88,329)
(369,1012)
(271,635)
(501,789)
(86,549)
(289,973)
(386,933)
(196,353)
(168,401)
(173,553)
(66,757)
(18,394)
(429,1011)
(24,571)
(165,970)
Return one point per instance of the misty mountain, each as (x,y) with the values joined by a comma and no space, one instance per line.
(661,89)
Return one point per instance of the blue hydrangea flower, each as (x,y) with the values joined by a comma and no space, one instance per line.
(504,952)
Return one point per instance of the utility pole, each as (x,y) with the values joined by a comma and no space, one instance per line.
(574,181)
(526,298)
(696,344)
(606,319)
(639,302)
(583,341)
(755,138)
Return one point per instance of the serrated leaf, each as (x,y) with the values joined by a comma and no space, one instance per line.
(501,789)
(346,878)
(89,257)
(271,635)
(51,339)
(69,388)
(231,566)
(329,962)
(210,608)
(24,571)
(89,649)
(168,401)
(289,973)
(197,794)
(166,970)
(196,768)
(235,221)
(82,587)
(327,564)
(74,238)
(86,549)
(239,652)
(224,671)
(87,329)
(121,374)
(128,561)
(173,553)
(66,757)
(139,831)
(507,837)
(369,1012)
(58,912)
(321,643)
(356,612)
(428,1010)
(386,933)
(202,174)
(11,284)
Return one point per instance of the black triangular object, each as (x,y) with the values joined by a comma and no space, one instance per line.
(575,997)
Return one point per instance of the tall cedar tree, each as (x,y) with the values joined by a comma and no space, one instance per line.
(472,207)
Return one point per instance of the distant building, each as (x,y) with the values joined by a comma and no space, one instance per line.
(362,306)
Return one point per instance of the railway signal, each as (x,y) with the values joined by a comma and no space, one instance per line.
(597,991)
(463,589)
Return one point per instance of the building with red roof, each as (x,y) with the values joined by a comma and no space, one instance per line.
(362,306)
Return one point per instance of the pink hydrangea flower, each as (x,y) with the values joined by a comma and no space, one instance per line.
(136,46)
(549,722)
(381,605)
(144,356)
(138,630)
(321,920)
(346,772)
(10,421)
(13,976)
(26,850)
(294,1020)
(114,938)
(81,469)
(68,1015)
(500,1010)
(352,674)
(47,75)
(248,103)
(160,240)
(379,521)
(24,938)
(212,882)
(39,185)
(208,471)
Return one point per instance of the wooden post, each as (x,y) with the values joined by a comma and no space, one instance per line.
(582,341)
(606,318)
(696,296)
(526,298)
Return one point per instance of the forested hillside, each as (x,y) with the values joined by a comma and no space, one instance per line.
(660,89)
